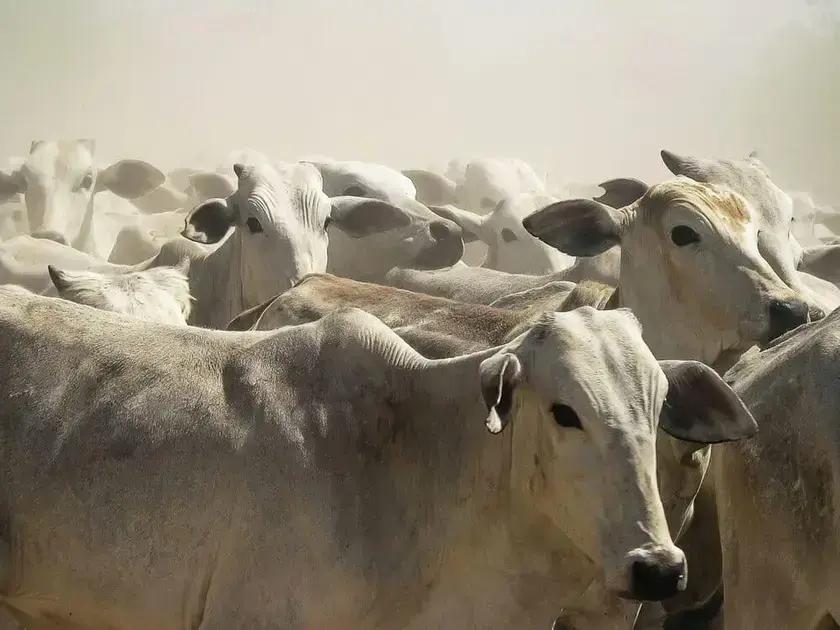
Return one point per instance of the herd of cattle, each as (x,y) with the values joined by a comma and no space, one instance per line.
(330,394)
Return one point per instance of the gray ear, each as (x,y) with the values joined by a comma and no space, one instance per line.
(129,179)
(210,221)
(694,168)
(247,320)
(59,278)
(209,185)
(11,184)
(622,192)
(500,374)
(701,407)
(471,224)
(577,227)
(360,216)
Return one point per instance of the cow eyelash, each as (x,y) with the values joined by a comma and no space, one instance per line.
(683,235)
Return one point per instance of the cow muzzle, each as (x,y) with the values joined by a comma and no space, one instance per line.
(785,315)
(655,573)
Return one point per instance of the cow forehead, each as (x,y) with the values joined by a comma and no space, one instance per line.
(719,204)
(591,350)
(288,188)
(60,158)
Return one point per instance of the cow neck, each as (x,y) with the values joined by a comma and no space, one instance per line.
(216,284)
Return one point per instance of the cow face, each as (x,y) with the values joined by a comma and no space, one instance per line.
(278,218)
(368,238)
(59,180)
(510,247)
(584,397)
(364,179)
(773,209)
(691,268)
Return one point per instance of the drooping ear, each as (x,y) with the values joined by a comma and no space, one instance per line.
(622,192)
(209,185)
(691,167)
(210,221)
(577,227)
(11,184)
(701,407)
(500,375)
(360,216)
(129,179)
(247,320)
(60,279)
(471,224)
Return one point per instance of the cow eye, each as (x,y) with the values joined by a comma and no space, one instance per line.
(683,235)
(565,416)
(508,236)
(87,182)
(254,225)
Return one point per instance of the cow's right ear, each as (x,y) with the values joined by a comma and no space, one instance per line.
(60,279)
(11,184)
(694,168)
(360,216)
(471,224)
(577,227)
(210,221)
(500,375)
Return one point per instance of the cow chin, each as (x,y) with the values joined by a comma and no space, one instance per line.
(443,253)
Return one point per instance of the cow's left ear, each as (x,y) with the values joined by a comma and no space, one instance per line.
(129,179)
(701,407)
(622,192)
(210,221)
(500,375)
(577,227)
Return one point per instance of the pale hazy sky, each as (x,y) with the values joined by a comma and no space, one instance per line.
(583,89)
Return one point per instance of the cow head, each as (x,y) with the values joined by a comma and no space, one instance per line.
(773,210)
(691,268)
(369,237)
(584,397)
(59,180)
(509,246)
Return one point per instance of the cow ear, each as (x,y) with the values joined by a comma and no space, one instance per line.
(247,320)
(60,279)
(359,216)
(210,221)
(500,375)
(577,227)
(701,407)
(208,185)
(11,184)
(471,224)
(129,179)
(622,192)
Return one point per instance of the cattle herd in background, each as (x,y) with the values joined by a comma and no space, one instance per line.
(330,394)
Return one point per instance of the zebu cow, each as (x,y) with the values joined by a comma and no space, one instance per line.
(60,180)
(779,495)
(327,475)
(160,294)
(773,217)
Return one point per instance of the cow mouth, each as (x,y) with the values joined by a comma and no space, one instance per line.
(444,253)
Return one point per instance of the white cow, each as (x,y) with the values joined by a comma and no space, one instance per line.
(160,294)
(60,180)
(327,475)
(364,179)
(484,182)
(778,495)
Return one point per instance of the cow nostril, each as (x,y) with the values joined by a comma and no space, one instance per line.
(440,230)
(785,315)
(655,581)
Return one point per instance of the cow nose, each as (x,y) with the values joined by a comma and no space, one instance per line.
(441,231)
(786,315)
(658,575)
